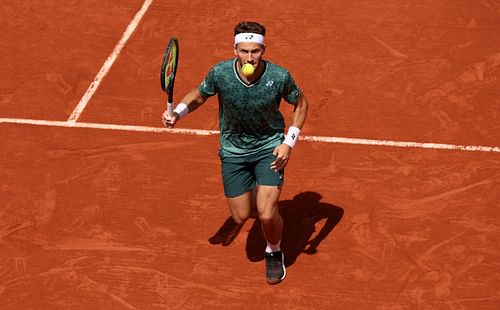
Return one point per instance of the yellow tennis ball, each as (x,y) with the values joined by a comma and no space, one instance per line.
(247,69)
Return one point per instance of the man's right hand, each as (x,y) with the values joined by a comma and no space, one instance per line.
(169,121)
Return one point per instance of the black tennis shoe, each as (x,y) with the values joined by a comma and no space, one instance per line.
(275,267)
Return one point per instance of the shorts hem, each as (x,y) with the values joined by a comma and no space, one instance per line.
(231,195)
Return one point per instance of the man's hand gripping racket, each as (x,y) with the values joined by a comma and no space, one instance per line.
(167,79)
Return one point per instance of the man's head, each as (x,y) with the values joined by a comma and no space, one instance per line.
(249,43)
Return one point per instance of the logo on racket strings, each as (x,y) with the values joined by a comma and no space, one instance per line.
(170,65)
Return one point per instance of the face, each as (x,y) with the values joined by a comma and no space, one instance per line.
(249,52)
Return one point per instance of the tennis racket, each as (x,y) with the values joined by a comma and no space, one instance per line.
(168,71)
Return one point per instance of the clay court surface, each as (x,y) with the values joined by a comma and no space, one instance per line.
(109,211)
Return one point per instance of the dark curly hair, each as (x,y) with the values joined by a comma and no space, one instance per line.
(251,27)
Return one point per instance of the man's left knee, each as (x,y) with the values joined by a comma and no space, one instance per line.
(269,213)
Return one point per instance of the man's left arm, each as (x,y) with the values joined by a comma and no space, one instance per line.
(300,112)
(282,151)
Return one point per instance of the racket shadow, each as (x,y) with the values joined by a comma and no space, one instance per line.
(301,217)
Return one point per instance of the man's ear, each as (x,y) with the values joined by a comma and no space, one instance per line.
(235,52)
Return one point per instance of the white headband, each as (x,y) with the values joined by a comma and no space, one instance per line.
(249,37)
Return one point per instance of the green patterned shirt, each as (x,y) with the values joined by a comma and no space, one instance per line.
(249,116)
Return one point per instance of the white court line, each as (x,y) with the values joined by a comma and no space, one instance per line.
(201,132)
(68,124)
(109,62)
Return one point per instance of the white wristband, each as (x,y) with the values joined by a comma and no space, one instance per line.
(292,136)
(181,109)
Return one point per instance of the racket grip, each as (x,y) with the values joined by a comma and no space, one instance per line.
(170,109)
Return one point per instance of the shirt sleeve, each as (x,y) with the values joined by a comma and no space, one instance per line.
(208,86)
(291,92)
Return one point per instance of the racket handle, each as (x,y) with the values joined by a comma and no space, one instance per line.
(170,109)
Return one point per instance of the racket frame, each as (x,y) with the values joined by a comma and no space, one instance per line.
(169,65)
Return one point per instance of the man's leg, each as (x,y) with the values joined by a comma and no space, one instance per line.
(239,187)
(272,227)
(240,206)
(269,216)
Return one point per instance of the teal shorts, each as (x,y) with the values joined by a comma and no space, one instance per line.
(242,174)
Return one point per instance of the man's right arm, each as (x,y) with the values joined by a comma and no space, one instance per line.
(190,102)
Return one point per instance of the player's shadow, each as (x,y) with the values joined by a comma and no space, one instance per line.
(302,217)
(226,233)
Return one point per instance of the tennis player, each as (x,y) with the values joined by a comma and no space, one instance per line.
(254,149)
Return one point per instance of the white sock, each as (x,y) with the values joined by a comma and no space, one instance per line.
(273,247)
